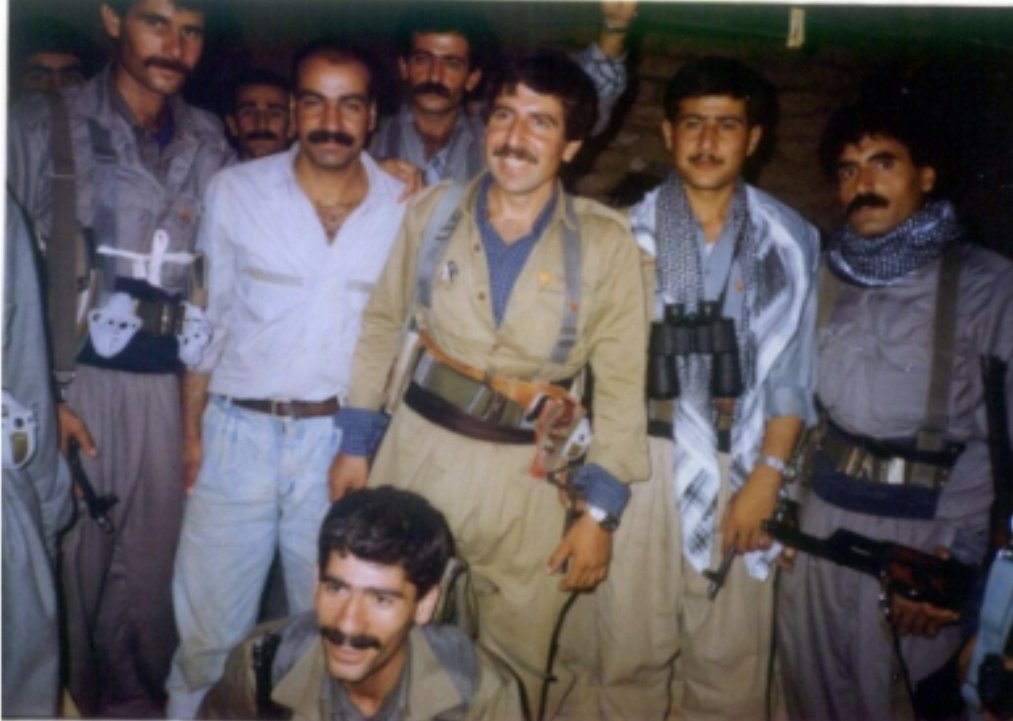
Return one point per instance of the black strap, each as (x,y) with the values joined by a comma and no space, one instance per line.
(61,251)
(264,650)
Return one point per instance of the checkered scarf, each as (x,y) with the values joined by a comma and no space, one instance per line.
(916,241)
(678,265)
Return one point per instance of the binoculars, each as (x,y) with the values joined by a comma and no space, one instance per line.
(682,334)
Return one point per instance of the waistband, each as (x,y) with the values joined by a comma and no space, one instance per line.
(869,497)
(891,462)
(296,410)
(446,414)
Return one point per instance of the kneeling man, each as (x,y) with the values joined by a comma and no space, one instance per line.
(366,651)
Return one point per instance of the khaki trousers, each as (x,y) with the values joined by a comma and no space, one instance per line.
(648,644)
(506,524)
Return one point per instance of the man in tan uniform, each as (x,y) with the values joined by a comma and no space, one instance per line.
(530,285)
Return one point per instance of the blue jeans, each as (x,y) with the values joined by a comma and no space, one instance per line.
(262,485)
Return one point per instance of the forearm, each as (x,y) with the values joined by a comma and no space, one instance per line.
(195,398)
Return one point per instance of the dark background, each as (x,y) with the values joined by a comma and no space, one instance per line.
(959,60)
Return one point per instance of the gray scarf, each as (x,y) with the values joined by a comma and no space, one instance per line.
(916,241)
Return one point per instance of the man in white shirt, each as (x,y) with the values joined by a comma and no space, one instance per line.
(295,242)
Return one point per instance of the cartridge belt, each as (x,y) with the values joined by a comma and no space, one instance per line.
(160,317)
(467,406)
(888,462)
(447,415)
(289,409)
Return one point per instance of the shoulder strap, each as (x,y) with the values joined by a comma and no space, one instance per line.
(944,328)
(572,263)
(264,650)
(61,251)
(441,225)
(830,286)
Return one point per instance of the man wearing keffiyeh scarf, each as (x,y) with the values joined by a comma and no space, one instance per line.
(712,238)
(893,270)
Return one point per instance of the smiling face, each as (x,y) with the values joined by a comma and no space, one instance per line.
(438,71)
(331,110)
(158,44)
(525,141)
(365,611)
(710,140)
(879,184)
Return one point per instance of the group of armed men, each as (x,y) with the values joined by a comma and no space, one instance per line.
(396,354)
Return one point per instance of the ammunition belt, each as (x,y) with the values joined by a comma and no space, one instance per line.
(289,409)
(447,415)
(888,462)
(160,317)
(464,405)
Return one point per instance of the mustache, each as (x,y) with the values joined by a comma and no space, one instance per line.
(358,642)
(167,64)
(325,136)
(261,135)
(866,200)
(705,157)
(431,88)
(509,151)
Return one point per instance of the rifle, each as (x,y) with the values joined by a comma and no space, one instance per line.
(993,373)
(98,506)
(917,576)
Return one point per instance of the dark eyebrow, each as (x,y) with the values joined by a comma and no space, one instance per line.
(376,590)
(152,16)
(883,155)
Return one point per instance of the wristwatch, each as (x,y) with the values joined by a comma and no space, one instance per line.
(782,467)
(603,518)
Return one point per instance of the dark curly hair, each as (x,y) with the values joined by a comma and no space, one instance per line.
(552,73)
(391,527)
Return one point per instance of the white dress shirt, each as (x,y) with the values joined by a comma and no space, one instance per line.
(285,304)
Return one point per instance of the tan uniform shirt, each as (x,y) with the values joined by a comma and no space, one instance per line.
(611,331)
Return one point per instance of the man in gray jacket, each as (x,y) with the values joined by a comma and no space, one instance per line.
(141,159)
(36,489)
(908,309)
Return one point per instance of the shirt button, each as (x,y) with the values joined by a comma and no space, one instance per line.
(476,247)
(481,296)
(495,347)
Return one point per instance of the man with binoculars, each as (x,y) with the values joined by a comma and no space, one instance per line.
(730,371)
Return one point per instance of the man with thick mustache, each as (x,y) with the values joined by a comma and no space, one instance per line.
(528,287)
(136,161)
(717,450)
(443,53)
(295,242)
(368,650)
(259,121)
(907,310)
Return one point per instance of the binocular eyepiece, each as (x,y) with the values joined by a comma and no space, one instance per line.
(682,334)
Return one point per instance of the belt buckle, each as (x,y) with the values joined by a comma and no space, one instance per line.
(282,408)
(487,405)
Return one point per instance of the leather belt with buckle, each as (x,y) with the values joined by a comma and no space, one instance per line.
(472,398)
(290,409)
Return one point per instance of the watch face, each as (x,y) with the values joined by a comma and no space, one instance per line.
(603,518)
(609,523)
